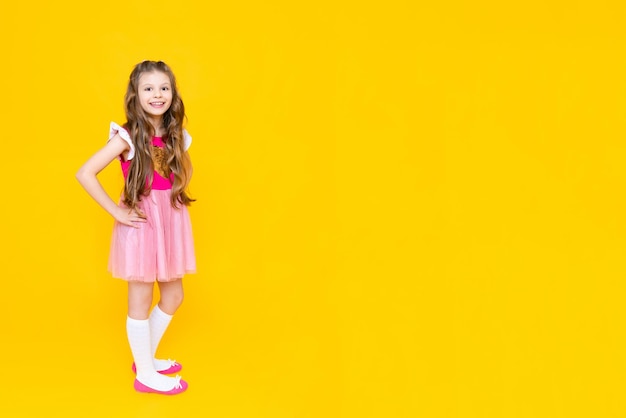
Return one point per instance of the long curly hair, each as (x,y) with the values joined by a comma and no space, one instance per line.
(140,173)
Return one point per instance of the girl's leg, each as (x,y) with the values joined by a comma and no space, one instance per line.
(160,318)
(171,296)
(138,330)
(139,299)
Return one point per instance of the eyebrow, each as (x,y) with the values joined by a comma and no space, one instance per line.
(150,84)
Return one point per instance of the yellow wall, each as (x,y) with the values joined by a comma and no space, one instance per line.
(403,211)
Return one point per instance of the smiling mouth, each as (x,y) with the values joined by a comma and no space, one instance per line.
(157,103)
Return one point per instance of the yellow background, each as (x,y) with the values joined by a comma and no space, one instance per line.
(405,209)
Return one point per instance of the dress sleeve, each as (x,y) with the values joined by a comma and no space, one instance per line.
(117,129)
(187,139)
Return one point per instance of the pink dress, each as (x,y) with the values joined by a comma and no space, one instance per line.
(162,248)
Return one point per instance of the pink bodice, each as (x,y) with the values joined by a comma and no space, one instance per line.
(158,181)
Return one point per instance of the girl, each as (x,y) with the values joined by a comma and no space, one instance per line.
(152,239)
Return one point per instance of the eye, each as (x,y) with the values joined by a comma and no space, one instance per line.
(148,89)
(165,88)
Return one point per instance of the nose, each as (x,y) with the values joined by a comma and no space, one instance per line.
(157,92)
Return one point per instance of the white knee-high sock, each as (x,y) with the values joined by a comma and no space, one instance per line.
(159,321)
(138,331)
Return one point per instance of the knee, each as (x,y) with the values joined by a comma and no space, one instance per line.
(139,302)
(171,300)
(177,298)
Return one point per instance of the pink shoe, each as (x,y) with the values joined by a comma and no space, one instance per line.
(174,368)
(179,387)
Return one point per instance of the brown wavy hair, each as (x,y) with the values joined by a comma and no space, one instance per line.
(141,132)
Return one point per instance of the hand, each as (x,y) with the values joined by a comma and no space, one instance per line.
(129,217)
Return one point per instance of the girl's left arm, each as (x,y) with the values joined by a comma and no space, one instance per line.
(190,165)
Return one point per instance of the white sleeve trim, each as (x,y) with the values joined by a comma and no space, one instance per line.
(117,129)
(187,139)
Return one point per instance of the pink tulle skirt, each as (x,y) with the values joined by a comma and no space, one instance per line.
(161,249)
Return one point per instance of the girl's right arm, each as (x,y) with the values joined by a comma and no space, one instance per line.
(87,177)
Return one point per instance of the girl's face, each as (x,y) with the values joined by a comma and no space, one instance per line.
(155,93)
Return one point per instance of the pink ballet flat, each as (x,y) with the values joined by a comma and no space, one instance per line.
(174,368)
(179,387)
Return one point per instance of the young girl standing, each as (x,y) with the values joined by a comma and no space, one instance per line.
(152,239)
